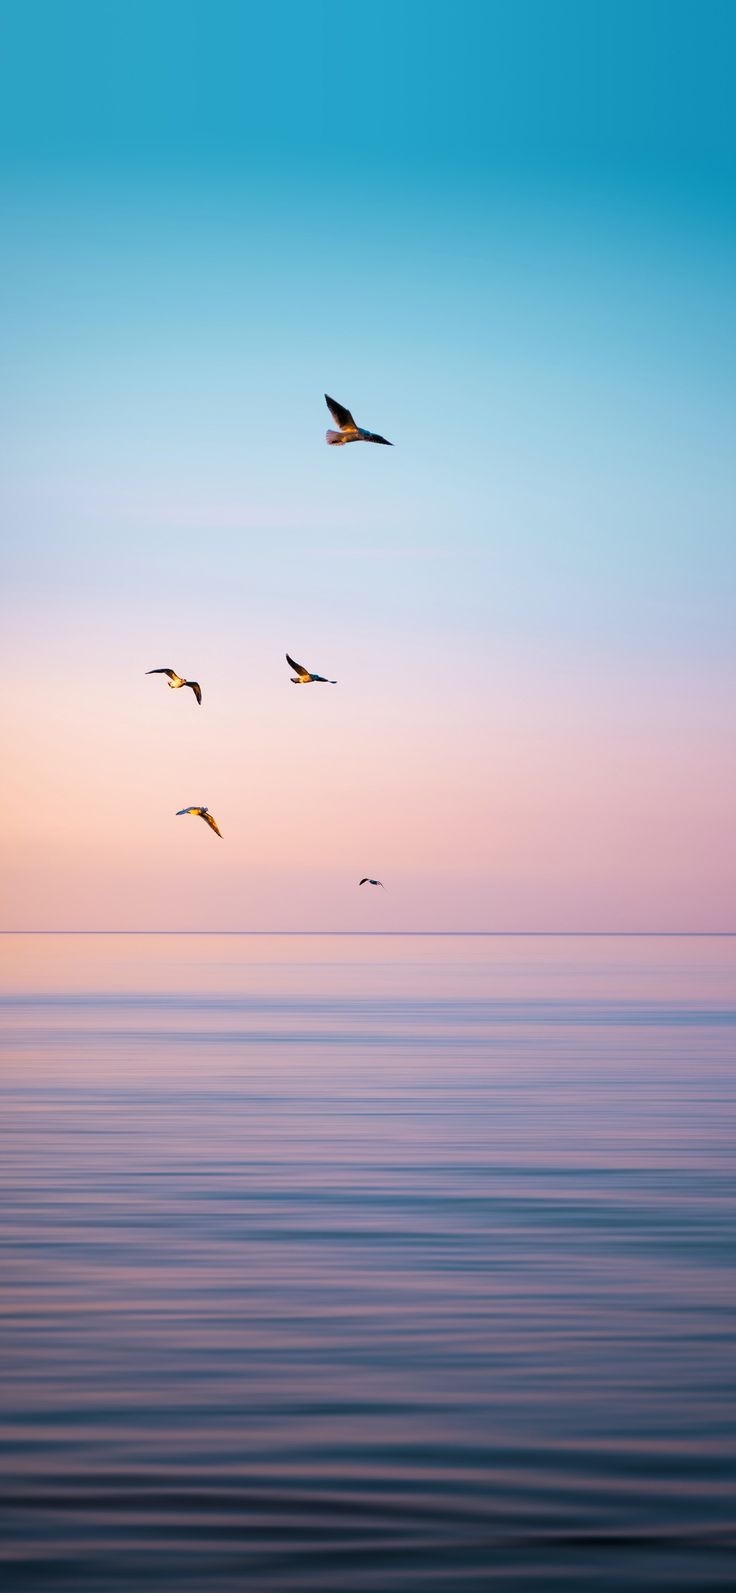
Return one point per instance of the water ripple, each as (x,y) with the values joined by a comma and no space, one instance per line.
(363,1290)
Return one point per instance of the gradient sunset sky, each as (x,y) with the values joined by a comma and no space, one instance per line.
(503,234)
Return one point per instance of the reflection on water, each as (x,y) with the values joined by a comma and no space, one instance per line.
(385,1263)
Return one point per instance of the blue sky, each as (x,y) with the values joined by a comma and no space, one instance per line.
(628,94)
(505,236)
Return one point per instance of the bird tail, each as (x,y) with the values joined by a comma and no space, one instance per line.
(334,438)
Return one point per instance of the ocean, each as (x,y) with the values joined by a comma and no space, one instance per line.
(337,1263)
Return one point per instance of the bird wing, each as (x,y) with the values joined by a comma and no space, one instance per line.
(211,822)
(196,688)
(187,810)
(170,672)
(364,881)
(299,668)
(373,436)
(339,414)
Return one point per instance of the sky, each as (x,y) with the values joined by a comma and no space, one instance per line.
(505,237)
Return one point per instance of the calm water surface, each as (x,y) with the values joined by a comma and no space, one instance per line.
(382,1263)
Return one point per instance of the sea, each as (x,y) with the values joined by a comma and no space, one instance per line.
(367,1263)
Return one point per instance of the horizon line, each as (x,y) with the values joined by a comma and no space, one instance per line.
(481,934)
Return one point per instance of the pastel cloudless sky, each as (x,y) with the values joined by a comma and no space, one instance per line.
(504,235)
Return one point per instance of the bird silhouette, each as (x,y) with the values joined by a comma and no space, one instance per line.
(366,881)
(202,813)
(303,677)
(175,681)
(349,432)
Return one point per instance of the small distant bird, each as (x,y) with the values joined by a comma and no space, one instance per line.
(367,881)
(177,680)
(349,432)
(202,813)
(303,677)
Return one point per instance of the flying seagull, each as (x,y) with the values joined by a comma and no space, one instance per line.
(177,680)
(203,813)
(349,432)
(303,677)
(367,881)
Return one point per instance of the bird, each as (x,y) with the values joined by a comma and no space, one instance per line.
(203,813)
(367,881)
(349,432)
(303,677)
(178,680)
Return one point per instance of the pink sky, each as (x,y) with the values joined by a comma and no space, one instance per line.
(539,798)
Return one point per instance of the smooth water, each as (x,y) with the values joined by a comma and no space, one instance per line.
(335,1263)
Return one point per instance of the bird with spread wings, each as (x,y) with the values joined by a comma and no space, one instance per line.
(302,677)
(175,681)
(349,432)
